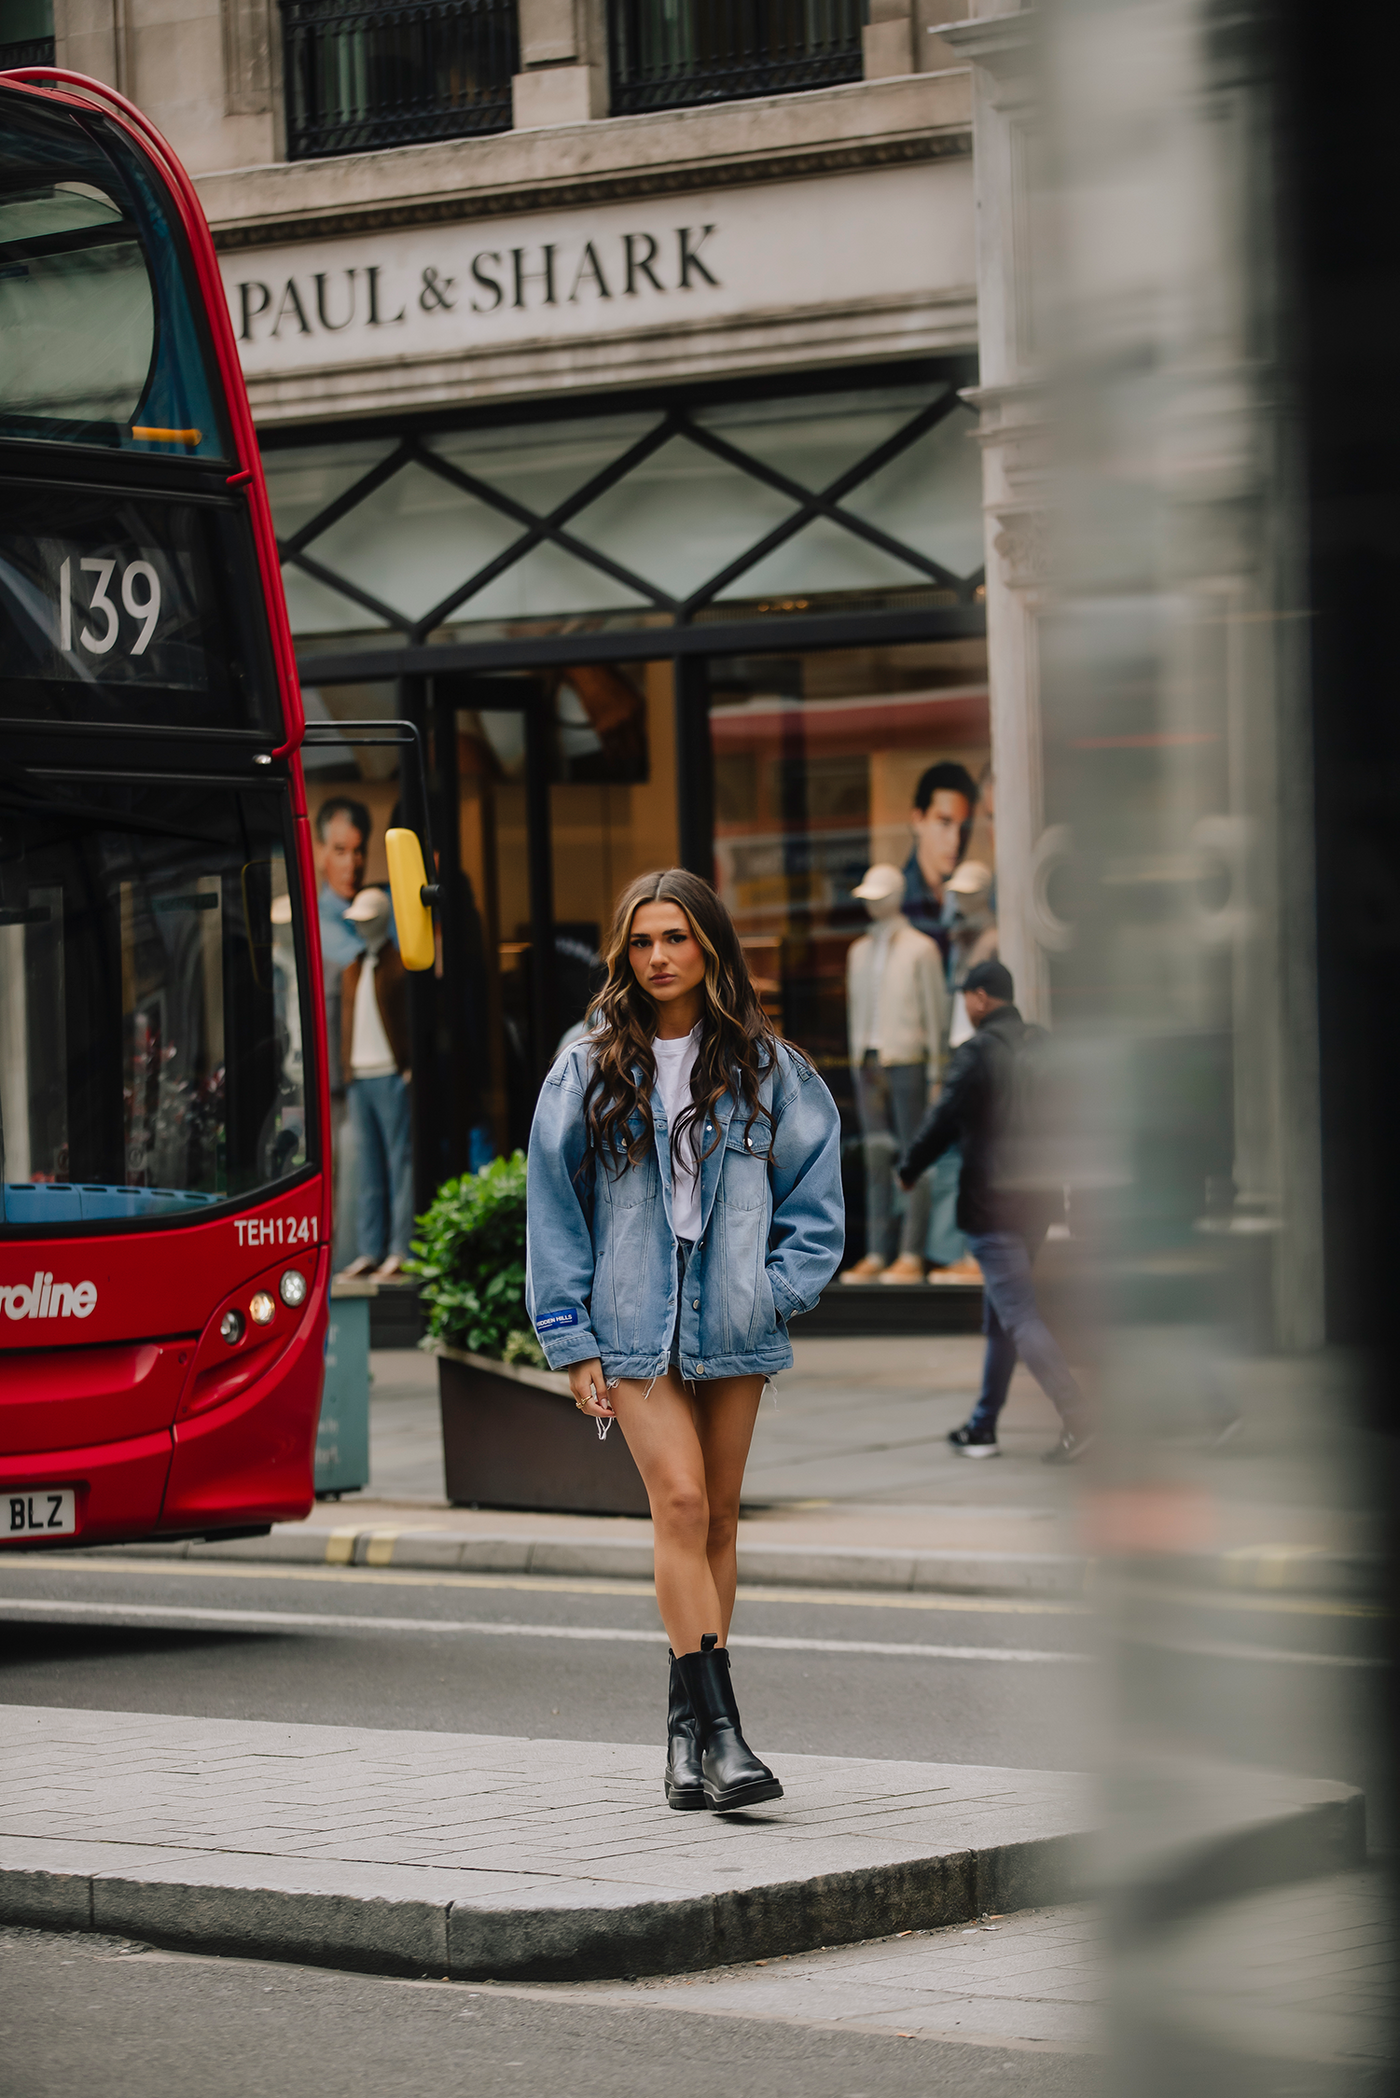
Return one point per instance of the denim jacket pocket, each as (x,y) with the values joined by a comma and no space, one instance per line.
(744,1300)
(625,1186)
(743,1178)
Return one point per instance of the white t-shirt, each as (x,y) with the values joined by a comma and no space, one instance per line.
(674,1063)
(370,1054)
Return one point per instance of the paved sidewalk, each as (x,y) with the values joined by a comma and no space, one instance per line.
(484,1856)
(481,1856)
(852,1485)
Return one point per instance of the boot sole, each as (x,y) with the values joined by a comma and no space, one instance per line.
(687,1799)
(976,1449)
(740,1796)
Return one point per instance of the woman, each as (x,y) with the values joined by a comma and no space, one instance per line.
(684,1203)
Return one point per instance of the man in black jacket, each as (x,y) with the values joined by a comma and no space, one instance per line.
(1005,1226)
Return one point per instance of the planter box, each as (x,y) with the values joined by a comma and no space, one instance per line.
(513,1438)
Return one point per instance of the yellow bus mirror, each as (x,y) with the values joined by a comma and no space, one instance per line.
(412,917)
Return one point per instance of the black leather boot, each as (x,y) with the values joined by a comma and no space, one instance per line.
(685,1784)
(732,1774)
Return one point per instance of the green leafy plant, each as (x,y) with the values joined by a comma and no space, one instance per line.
(470,1253)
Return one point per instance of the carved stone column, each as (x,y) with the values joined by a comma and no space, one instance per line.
(1013,475)
(251,57)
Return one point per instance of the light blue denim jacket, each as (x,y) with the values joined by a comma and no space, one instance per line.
(601,1270)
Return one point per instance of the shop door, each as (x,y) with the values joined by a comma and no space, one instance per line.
(498,1018)
(552,789)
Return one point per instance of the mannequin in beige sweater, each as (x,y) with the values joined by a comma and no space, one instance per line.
(897,1020)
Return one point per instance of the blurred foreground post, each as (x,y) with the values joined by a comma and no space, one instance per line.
(1191,445)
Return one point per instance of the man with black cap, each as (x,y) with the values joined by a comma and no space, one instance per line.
(1005,1226)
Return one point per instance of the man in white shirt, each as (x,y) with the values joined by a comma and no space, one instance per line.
(897,1021)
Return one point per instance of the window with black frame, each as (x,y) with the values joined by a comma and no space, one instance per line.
(102,336)
(152,1057)
(395,72)
(704,509)
(26,34)
(672,54)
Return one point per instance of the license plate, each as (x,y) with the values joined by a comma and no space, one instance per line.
(43,1511)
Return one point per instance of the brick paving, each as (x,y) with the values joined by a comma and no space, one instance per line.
(518,1813)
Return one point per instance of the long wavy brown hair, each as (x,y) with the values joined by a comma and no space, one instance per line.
(737,1044)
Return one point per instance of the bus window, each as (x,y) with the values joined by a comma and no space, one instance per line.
(98,338)
(151,1058)
(77,319)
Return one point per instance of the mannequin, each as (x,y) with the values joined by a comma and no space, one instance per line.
(897,1023)
(973,938)
(374,1057)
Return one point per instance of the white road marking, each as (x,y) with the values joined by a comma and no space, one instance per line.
(536,1584)
(176,1616)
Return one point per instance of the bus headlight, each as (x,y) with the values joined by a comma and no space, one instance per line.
(262,1308)
(231,1327)
(292,1287)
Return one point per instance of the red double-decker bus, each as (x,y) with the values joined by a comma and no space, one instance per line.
(164,1185)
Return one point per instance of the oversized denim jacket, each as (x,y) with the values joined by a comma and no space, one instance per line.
(601,1269)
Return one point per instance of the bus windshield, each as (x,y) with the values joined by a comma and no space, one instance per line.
(152,1056)
(100,343)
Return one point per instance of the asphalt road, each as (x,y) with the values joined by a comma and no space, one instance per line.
(961,1680)
(231,2028)
(957,1679)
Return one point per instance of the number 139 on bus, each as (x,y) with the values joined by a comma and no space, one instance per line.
(140,593)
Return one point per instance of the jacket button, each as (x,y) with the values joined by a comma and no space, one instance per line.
(699,1369)
(695,1303)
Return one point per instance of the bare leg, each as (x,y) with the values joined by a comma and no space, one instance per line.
(661,1434)
(726,1409)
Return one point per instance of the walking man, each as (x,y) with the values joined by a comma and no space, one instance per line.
(1005,1226)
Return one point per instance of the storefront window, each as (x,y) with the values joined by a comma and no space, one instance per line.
(557,778)
(688,511)
(818,762)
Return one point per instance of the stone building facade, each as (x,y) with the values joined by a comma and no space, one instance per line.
(647,414)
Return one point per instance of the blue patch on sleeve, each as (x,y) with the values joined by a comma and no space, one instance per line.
(551,1321)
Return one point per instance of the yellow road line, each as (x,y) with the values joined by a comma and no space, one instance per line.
(1248,1599)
